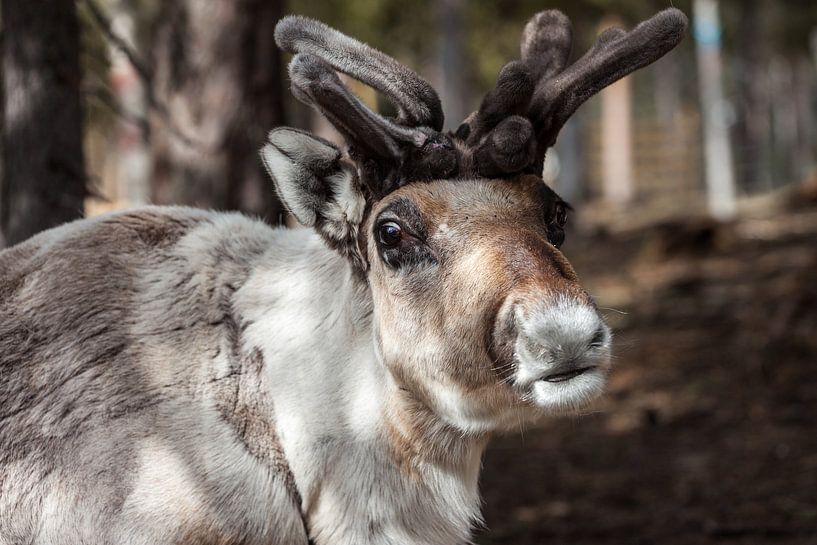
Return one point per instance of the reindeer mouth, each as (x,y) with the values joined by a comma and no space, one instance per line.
(563,376)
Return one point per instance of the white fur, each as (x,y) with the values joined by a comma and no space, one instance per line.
(350,203)
(330,395)
(556,336)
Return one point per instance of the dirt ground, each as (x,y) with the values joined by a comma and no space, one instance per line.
(709,431)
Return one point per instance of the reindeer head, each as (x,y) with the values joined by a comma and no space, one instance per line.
(476,312)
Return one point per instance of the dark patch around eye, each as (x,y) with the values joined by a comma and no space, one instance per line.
(409,215)
(412,250)
(407,255)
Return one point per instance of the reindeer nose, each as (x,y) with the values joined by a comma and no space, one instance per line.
(558,342)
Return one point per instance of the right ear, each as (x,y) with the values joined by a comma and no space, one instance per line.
(317,186)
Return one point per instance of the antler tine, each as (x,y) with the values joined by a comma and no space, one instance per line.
(546,43)
(377,143)
(416,101)
(388,152)
(504,140)
(615,54)
(511,96)
(316,83)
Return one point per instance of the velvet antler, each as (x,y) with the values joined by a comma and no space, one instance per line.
(515,125)
(389,152)
(533,98)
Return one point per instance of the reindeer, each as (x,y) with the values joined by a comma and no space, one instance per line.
(170,375)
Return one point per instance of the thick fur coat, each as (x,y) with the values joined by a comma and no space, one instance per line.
(169,374)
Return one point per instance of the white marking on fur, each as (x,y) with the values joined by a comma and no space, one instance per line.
(468,414)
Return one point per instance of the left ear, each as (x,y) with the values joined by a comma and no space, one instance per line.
(318,186)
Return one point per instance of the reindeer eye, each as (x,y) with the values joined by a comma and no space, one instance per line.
(556,228)
(561,215)
(390,234)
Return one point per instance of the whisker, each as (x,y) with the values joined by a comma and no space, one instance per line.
(619,311)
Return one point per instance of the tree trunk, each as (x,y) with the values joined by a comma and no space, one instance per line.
(44,178)
(219,72)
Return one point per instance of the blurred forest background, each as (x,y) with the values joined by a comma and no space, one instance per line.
(694,180)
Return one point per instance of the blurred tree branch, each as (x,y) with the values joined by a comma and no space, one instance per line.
(219,71)
(144,71)
(106,27)
(105,96)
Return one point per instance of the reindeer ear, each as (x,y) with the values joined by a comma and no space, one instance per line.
(316,184)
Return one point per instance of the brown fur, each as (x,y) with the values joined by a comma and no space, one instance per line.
(490,239)
(243,402)
(416,437)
